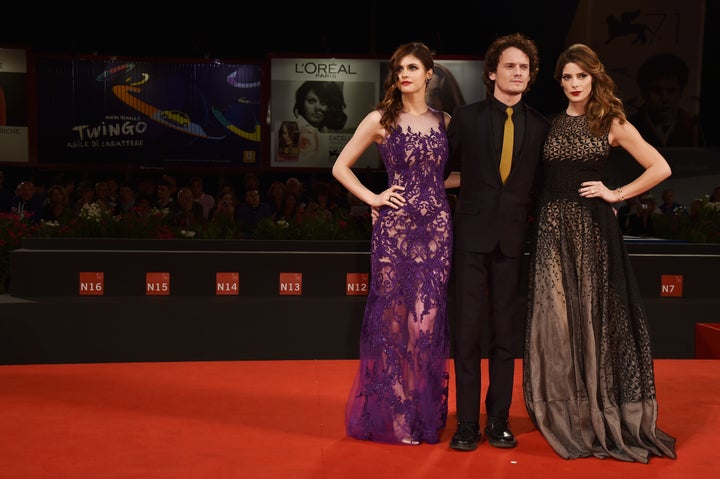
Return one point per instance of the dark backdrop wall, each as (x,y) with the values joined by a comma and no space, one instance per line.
(246,31)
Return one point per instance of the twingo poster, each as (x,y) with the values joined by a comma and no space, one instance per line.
(315,106)
(97,111)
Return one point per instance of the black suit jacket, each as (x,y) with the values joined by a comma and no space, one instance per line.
(489,213)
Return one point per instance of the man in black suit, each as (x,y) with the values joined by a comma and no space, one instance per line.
(491,220)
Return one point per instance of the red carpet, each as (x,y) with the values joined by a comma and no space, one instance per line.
(284,419)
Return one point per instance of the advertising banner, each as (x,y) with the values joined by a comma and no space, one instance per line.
(92,110)
(653,49)
(14,146)
(315,106)
(454,83)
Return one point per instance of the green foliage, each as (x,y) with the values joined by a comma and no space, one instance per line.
(701,225)
(13,229)
(340,226)
(220,227)
(94,222)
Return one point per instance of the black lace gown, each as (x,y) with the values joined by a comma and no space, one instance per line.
(401,388)
(588,378)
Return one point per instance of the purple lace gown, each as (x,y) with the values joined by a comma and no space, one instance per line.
(401,388)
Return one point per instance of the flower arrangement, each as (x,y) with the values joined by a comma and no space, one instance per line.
(340,226)
(700,225)
(92,221)
(13,228)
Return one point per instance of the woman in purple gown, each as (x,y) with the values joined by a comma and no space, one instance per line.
(400,392)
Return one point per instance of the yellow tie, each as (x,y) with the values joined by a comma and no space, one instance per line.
(507,146)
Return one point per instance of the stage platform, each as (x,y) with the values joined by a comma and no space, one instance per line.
(293,299)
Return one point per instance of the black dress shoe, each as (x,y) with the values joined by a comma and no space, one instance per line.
(467,436)
(498,433)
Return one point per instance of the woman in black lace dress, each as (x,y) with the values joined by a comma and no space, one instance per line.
(400,391)
(588,376)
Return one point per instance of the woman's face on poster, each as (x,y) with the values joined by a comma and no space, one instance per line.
(285,135)
(314,110)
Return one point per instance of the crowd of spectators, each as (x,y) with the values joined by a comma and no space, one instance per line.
(244,199)
(638,216)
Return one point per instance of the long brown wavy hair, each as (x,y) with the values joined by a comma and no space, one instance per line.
(392,104)
(603,105)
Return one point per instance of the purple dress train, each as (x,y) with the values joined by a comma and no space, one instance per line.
(401,389)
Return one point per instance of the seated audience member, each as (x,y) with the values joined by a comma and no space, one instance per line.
(669,206)
(695,207)
(68,182)
(6,196)
(318,207)
(40,187)
(186,212)
(126,200)
(338,196)
(57,205)
(112,185)
(225,206)
(275,195)
(251,211)
(84,195)
(714,195)
(143,204)
(164,195)
(171,181)
(640,221)
(291,212)
(294,185)
(103,196)
(224,188)
(197,186)
(27,203)
(631,205)
(146,187)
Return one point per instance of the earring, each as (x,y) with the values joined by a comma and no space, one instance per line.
(427,81)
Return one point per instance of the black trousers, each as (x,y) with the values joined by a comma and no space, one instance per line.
(486,290)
